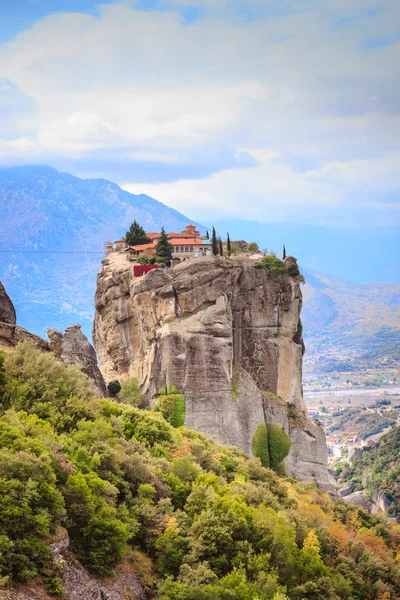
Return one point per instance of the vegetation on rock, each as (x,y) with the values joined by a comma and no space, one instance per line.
(114,387)
(213,523)
(271,445)
(378,469)
(136,235)
(171,404)
(163,249)
(274,266)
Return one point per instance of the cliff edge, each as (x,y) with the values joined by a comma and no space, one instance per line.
(223,332)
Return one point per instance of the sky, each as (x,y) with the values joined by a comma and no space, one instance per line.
(273,110)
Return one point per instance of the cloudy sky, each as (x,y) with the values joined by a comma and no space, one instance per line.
(261,109)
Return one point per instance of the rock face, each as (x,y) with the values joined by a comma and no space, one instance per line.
(7,310)
(224,333)
(78,583)
(73,348)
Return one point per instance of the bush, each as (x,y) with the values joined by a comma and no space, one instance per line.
(271,445)
(274,266)
(114,387)
(130,392)
(143,259)
(37,383)
(253,247)
(171,404)
(259,444)
(293,270)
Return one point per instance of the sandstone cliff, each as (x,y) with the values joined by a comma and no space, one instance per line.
(73,347)
(224,333)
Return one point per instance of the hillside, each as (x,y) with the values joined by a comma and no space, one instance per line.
(348,323)
(174,514)
(45,211)
(377,469)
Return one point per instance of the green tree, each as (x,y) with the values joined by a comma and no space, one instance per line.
(143,259)
(284,252)
(228,244)
(164,249)
(214,243)
(136,235)
(221,250)
(253,247)
(130,391)
(259,444)
(114,387)
(271,445)
(207,235)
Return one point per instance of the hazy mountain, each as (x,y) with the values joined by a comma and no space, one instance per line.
(359,319)
(47,220)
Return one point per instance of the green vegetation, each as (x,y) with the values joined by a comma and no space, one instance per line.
(136,235)
(214,243)
(271,445)
(284,252)
(171,404)
(144,259)
(293,270)
(253,247)
(163,249)
(130,392)
(114,387)
(221,250)
(211,523)
(274,266)
(234,388)
(378,469)
(228,245)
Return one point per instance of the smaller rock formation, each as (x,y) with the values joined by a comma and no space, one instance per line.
(7,310)
(73,348)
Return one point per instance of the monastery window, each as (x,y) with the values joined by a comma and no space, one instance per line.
(182,249)
(186,248)
(191,248)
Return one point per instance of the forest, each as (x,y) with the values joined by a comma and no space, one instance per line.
(196,520)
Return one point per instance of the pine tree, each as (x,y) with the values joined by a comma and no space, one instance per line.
(228,244)
(221,250)
(207,235)
(214,243)
(284,252)
(136,235)
(163,249)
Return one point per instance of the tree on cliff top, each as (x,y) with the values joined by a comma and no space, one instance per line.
(228,244)
(164,249)
(214,243)
(136,235)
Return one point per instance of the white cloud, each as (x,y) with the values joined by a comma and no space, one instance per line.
(305,90)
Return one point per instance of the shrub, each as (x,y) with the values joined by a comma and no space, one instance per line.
(293,270)
(259,444)
(253,247)
(234,388)
(274,266)
(130,392)
(271,445)
(38,383)
(114,387)
(143,259)
(171,404)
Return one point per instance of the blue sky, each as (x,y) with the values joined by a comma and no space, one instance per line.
(259,109)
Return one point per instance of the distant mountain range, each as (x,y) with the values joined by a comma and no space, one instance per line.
(52,234)
(346,321)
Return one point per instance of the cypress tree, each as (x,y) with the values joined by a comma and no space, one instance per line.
(228,244)
(163,249)
(284,252)
(207,235)
(214,243)
(221,250)
(136,235)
